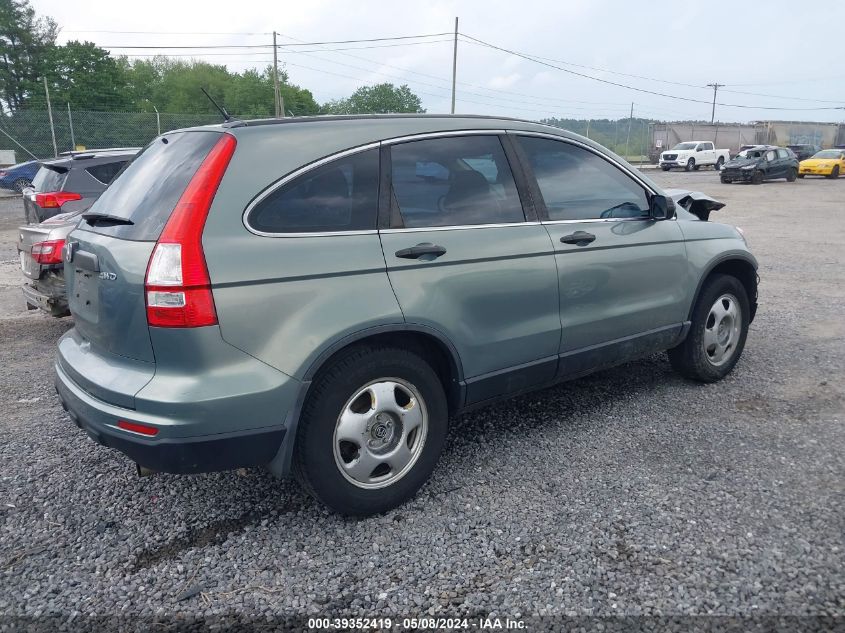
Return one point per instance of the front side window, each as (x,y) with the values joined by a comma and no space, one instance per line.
(341,195)
(771,155)
(453,181)
(577,184)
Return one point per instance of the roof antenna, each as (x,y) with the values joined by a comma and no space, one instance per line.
(226,116)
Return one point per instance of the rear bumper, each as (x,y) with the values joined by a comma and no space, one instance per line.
(196,454)
(52,300)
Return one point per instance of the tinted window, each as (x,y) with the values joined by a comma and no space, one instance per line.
(454,181)
(577,184)
(339,196)
(106,172)
(47,179)
(149,188)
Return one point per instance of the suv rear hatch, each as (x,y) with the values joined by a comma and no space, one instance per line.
(106,261)
(50,179)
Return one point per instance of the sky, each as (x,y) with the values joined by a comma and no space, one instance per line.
(791,58)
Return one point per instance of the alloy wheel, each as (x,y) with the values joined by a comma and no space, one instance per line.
(380,433)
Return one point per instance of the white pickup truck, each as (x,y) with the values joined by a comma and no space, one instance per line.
(694,154)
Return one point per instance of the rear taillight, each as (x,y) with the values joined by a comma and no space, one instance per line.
(177,286)
(143,429)
(49,252)
(54,199)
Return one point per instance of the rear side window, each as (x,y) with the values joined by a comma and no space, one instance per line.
(149,188)
(577,184)
(782,153)
(454,181)
(341,195)
(49,179)
(106,172)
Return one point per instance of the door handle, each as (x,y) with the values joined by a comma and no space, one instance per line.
(426,248)
(581,238)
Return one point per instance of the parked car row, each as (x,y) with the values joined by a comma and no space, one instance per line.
(61,191)
(320,295)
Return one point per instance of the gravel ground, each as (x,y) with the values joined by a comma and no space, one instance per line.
(628,492)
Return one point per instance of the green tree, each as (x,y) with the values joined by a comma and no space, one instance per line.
(87,77)
(379,99)
(24,39)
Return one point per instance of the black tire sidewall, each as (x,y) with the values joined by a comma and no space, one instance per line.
(695,358)
(314,456)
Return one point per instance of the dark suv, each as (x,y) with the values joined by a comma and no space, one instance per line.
(804,151)
(322,294)
(72,182)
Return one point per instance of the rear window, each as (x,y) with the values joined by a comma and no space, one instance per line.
(48,179)
(149,188)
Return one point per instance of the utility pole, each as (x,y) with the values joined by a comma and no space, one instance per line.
(277,91)
(630,121)
(454,65)
(70,122)
(50,115)
(588,127)
(715,87)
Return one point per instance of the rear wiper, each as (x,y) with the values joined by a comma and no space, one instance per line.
(105,218)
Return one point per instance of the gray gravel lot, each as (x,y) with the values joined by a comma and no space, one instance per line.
(628,492)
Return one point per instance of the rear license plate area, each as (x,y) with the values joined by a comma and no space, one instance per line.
(85,295)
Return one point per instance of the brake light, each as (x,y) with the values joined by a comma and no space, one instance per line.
(49,252)
(177,286)
(55,199)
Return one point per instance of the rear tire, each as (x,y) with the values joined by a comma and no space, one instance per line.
(800,175)
(718,331)
(835,172)
(20,184)
(757,178)
(371,431)
(791,175)
(690,165)
(719,163)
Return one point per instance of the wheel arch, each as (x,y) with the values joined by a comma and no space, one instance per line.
(742,267)
(434,346)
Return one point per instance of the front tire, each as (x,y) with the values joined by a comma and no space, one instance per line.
(665,167)
(690,165)
(757,178)
(834,172)
(718,331)
(371,431)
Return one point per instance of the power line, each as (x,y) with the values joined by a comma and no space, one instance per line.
(629,87)
(214,46)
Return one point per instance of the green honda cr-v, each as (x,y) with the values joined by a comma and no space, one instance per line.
(320,295)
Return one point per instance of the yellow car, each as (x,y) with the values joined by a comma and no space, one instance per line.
(828,163)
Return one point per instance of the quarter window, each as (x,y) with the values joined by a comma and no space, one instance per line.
(577,184)
(106,172)
(453,181)
(339,196)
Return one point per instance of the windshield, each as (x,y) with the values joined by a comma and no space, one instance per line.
(750,153)
(685,146)
(828,153)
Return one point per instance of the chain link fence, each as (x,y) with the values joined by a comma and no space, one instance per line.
(28,133)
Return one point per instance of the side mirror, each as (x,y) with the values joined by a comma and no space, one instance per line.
(662,207)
